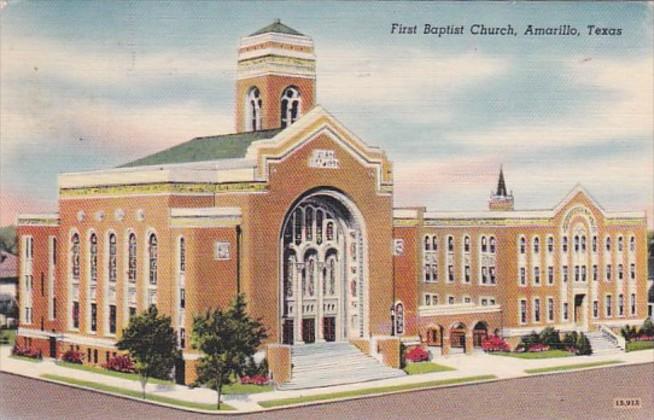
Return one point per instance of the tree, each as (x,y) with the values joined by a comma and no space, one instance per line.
(227,340)
(583,345)
(8,239)
(152,344)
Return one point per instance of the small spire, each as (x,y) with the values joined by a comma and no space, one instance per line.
(501,185)
(278,20)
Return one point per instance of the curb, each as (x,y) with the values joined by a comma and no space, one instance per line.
(322,402)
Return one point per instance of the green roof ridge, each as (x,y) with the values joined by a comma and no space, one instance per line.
(277,27)
(198,149)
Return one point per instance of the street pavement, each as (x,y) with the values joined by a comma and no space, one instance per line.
(580,395)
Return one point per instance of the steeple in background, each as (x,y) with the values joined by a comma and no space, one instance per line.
(501,200)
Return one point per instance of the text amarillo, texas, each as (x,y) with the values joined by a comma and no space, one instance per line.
(506,30)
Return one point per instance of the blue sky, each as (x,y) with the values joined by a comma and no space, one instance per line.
(87,85)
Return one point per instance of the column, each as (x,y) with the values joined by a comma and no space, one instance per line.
(445,342)
(469,343)
(320,282)
(297,322)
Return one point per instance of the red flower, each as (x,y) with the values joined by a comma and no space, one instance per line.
(417,354)
(494,343)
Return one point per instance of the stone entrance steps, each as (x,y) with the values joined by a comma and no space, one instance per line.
(327,364)
(601,345)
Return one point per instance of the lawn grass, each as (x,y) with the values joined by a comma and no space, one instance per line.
(107,372)
(425,367)
(640,345)
(549,354)
(370,391)
(571,367)
(136,394)
(10,334)
(27,359)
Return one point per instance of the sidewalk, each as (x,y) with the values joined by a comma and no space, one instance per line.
(466,366)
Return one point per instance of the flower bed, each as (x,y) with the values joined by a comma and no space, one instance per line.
(535,348)
(73,356)
(254,380)
(26,351)
(493,343)
(120,363)
(417,354)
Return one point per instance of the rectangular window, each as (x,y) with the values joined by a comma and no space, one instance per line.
(54,308)
(633,304)
(94,317)
(484,275)
(427,300)
(182,298)
(608,272)
(523,276)
(608,308)
(595,270)
(620,305)
(76,315)
(537,276)
(467,274)
(491,271)
(565,311)
(112,319)
(450,300)
(53,258)
(523,311)
(550,309)
(42,285)
(550,275)
(536,310)
(467,299)
(583,273)
(450,273)
(595,309)
(632,271)
(182,337)
(577,273)
(564,273)
(484,302)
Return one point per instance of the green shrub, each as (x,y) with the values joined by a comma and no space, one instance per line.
(628,332)
(570,339)
(583,346)
(550,337)
(530,339)
(647,328)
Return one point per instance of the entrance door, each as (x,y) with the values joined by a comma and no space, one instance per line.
(329,328)
(578,314)
(308,330)
(179,371)
(53,347)
(287,332)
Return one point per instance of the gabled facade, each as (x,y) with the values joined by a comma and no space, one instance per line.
(296,212)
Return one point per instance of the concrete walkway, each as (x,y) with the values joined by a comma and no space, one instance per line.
(466,365)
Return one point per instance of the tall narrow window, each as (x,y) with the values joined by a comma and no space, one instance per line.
(633,304)
(492,244)
(536,245)
(253,114)
(595,309)
(76,315)
(523,311)
(608,243)
(112,258)
(608,305)
(93,258)
(620,305)
(523,245)
(594,243)
(632,243)
(550,309)
(564,244)
(484,244)
(290,106)
(182,255)
(94,317)
(112,319)
(550,244)
(450,244)
(131,258)
(466,244)
(152,257)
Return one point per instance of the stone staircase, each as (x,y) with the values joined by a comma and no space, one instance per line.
(326,364)
(602,345)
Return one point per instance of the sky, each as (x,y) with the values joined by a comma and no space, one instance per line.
(91,85)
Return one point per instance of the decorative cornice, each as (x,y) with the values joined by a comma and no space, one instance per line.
(460,309)
(38,220)
(162,188)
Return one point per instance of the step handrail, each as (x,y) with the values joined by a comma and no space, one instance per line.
(613,337)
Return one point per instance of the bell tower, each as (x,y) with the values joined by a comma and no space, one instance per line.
(276,78)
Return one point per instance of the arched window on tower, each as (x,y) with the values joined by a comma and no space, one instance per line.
(253,110)
(131,258)
(112,258)
(74,245)
(290,106)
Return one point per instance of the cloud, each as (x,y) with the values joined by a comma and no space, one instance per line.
(621,107)
(402,80)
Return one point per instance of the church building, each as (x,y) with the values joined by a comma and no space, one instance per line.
(296,212)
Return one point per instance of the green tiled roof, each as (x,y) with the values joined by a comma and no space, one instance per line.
(277,27)
(228,146)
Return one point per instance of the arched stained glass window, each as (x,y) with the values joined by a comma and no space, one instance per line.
(112,257)
(152,258)
(290,106)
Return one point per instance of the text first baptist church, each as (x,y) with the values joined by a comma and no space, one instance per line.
(296,212)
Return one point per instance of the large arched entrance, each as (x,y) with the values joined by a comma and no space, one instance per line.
(323,270)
